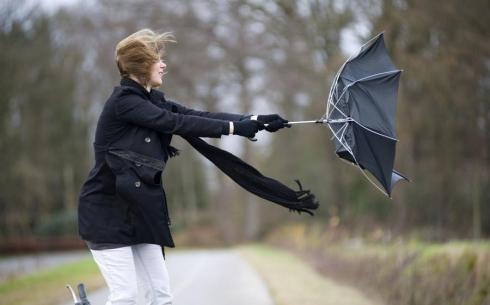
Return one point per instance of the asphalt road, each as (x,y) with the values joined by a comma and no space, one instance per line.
(206,277)
(25,264)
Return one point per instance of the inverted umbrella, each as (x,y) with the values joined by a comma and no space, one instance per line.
(361,110)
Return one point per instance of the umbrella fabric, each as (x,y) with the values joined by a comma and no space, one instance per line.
(361,112)
(253,181)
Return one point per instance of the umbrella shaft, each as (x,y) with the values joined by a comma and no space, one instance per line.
(306,122)
(337,121)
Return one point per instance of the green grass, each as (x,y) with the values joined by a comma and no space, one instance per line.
(48,287)
(452,249)
(292,281)
(401,271)
(419,273)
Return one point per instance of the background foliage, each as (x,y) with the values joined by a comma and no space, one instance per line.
(249,56)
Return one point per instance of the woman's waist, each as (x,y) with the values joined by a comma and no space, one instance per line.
(155,157)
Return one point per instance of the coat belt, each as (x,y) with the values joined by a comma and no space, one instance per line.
(131,156)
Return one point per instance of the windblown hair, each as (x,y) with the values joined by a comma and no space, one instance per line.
(136,53)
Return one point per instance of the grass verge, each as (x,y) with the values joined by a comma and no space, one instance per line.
(292,281)
(399,272)
(48,287)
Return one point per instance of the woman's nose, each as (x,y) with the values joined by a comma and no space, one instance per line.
(163,65)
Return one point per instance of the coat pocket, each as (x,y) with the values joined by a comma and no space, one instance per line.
(147,174)
(137,180)
(147,169)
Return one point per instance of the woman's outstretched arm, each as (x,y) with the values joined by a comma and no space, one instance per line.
(212,115)
(138,111)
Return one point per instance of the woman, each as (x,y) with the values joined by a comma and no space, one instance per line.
(123,215)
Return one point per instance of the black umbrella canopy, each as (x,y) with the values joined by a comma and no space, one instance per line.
(361,112)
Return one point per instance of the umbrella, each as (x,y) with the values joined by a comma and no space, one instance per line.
(361,110)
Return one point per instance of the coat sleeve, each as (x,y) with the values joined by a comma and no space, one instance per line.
(212,115)
(141,112)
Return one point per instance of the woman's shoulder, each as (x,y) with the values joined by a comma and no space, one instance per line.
(121,97)
(124,95)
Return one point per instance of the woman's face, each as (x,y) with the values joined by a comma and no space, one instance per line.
(157,71)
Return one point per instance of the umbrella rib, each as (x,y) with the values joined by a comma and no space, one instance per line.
(334,85)
(375,132)
(338,109)
(344,126)
(374,76)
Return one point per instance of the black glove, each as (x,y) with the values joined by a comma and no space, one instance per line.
(247,128)
(274,122)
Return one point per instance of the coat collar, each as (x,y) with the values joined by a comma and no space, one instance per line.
(154,95)
(126,81)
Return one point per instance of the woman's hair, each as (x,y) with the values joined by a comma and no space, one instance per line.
(136,53)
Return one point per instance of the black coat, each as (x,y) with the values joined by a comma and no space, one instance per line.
(123,200)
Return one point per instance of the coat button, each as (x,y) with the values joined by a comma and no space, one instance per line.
(138,164)
(147,140)
(137,184)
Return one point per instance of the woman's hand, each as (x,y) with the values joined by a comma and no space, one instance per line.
(247,128)
(274,122)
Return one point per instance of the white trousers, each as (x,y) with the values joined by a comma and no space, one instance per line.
(129,269)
